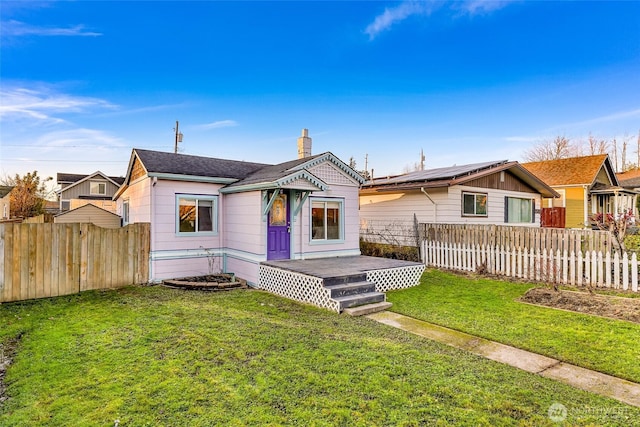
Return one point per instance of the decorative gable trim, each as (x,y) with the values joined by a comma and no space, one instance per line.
(284,182)
(329,157)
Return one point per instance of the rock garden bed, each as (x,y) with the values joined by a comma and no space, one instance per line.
(209,282)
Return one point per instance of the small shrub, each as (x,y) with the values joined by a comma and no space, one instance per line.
(406,253)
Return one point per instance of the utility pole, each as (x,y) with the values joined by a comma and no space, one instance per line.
(178,138)
(421,159)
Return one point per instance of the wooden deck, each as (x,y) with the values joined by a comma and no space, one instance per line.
(338,266)
(315,281)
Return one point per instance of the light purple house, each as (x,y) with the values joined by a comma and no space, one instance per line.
(228,215)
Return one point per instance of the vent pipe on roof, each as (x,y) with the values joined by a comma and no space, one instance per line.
(304,144)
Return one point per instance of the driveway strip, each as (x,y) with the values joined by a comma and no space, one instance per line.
(592,381)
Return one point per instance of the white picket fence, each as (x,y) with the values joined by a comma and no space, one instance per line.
(578,269)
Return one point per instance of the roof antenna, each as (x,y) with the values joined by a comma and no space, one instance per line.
(178,138)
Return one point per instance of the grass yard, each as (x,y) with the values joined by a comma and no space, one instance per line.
(153,356)
(489,308)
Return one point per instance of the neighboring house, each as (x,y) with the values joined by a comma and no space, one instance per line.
(499,192)
(587,186)
(79,190)
(227,215)
(630,180)
(5,203)
(89,214)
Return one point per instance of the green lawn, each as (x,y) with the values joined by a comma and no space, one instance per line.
(489,308)
(153,356)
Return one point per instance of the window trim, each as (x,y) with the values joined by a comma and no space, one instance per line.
(93,193)
(126,213)
(214,214)
(474,194)
(325,241)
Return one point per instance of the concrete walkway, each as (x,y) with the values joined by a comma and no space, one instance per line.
(585,379)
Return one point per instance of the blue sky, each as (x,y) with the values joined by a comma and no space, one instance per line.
(84,82)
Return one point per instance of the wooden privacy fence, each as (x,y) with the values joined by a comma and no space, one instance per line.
(532,238)
(589,268)
(47,260)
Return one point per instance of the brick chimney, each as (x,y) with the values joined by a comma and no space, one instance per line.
(304,144)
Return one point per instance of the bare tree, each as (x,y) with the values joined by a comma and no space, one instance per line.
(558,148)
(597,146)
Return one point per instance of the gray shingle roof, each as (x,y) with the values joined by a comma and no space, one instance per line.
(4,190)
(183,164)
(70,178)
(272,173)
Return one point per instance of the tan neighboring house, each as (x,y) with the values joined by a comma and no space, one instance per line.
(89,213)
(587,186)
(79,190)
(5,203)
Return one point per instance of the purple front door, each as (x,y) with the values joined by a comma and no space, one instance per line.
(278,229)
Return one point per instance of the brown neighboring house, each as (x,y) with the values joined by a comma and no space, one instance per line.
(79,190)
(587,185)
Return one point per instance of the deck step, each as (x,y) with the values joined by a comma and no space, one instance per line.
(360,299)
(363,310)
(344,279)
(354,288)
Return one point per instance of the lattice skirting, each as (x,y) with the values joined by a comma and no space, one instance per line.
(296,286)
(396,278)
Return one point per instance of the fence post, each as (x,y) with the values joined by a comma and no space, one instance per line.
(634,272)
(625,271)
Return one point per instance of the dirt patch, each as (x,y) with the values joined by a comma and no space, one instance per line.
(7,353)
(584,302)
(209,282)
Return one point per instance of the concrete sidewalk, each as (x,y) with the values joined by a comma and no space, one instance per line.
(585,379)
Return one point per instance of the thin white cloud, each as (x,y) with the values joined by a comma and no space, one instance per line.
(42,104)
(408,8)
(392,16)
(620,115)
(18,29)
(218,124)
(95,140)
(478,7)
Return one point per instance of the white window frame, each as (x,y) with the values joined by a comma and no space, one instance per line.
(326,200)
(126,212)
(99,184)
(197,198)
(475,194)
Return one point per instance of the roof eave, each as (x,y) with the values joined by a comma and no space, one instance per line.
(192,178)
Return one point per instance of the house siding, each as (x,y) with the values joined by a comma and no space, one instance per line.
(574,207)
(164,216)
(89,214)
(139,195)
(80,194)
(305,248)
